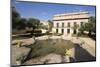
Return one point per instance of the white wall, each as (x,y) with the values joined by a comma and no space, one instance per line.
(66,24)
(71,22)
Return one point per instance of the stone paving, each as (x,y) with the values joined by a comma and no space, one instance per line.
(50,58)
(88,44)
(24,42)
(18,51)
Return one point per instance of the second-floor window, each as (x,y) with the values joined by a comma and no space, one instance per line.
(62,24)
(75,24)
(57,24)
(68,24)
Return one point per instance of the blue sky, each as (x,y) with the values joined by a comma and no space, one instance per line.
(45,11)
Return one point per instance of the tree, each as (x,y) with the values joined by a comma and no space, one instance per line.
(22,23)
(76,26)
(50,25)
(19,23)
(15,18)
(93,21)
(33,23)
(89,27)
(42,26)
(81,29)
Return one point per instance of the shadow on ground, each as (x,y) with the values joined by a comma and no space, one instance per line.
(82,55)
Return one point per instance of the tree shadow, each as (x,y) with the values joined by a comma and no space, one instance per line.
(82,55)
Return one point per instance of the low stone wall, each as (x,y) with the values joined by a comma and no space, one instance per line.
(52,37)
(24,42)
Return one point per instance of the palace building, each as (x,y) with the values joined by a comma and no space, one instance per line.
(69,23)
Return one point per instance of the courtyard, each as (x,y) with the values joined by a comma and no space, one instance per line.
(55,46)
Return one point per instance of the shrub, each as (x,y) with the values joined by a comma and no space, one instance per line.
(57,34)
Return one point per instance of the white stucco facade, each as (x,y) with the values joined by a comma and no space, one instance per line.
(64,23)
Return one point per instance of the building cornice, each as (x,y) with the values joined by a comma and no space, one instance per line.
(70,19)
(70,14)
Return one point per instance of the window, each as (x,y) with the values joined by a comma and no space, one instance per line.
(62,31)
(57,24)
(75,24)
(62,24)
(68,30)
(56,30)
(68,24)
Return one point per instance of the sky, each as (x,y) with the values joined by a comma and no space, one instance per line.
(45,11)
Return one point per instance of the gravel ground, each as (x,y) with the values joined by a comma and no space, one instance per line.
(48,59)
(17,51)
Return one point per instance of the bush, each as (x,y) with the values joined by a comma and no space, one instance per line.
(33,31)
(18,31)
(79,34)
(57,34)
(47,33)
(37,31)
(38,34)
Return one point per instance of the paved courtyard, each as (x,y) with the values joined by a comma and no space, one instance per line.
(16,51)
(85,52)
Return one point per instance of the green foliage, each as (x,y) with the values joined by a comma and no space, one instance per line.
(92,19)
(75,26)
(89,27)
(32,22)
(15,17)
(81,29)
(22,24)
(57,34)
(50,25)
(19,23)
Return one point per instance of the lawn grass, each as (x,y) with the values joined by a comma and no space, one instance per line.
(44,47)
